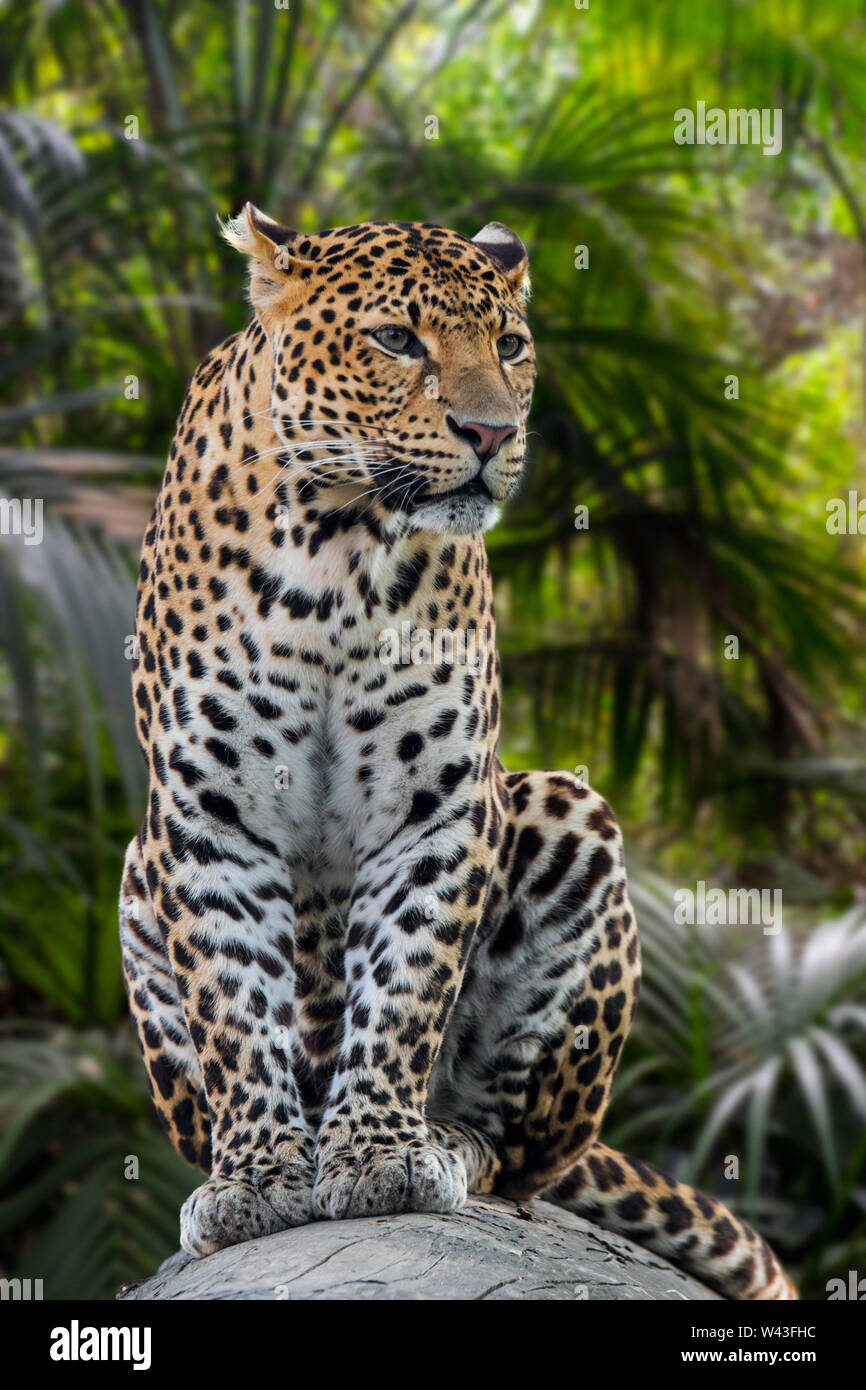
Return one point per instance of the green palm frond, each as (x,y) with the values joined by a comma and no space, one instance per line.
(80,1152)
(780,1024)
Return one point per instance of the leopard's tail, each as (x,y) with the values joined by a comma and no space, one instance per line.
(692,1230)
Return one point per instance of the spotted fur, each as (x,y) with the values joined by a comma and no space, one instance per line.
(370,968)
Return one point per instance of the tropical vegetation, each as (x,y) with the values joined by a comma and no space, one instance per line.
(675,615)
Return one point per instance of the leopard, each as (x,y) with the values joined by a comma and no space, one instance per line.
(371,971)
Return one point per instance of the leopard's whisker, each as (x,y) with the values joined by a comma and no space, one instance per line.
(338,445)
(299,467)
(379,488)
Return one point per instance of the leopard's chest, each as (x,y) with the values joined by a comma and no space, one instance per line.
(324,737)
(318,699)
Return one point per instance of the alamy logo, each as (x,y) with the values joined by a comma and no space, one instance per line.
(854,1291)
(22,517)
(846,516)
(76,1343)
(734,907)
(20,1289)
(418,646)
(737,126)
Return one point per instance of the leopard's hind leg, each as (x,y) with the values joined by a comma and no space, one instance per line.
(531,1051)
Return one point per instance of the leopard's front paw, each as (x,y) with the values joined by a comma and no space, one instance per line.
(412,1177)
(228,1211)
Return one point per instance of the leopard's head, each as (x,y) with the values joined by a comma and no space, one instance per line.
(403,363)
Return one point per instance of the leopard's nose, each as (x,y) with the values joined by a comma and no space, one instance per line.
(485,439)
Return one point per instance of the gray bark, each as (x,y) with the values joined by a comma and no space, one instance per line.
(492,1249)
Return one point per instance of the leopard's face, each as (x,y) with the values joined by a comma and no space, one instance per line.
(403,364)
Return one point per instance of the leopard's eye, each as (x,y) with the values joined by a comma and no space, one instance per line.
(510,346)
(395,338)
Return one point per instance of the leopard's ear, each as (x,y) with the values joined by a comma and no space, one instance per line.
(255,234)
(509,253)
(276,270)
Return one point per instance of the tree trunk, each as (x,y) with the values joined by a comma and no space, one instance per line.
(491,1249)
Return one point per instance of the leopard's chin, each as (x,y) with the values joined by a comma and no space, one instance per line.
(456,515)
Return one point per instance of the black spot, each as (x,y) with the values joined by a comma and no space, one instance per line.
(409,747)
(217,714)
(424,805)
(632,1208)
(510,933)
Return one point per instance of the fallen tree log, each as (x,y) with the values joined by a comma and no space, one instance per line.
(491,1249)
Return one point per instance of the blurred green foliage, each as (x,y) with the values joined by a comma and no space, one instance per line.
(706,519)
